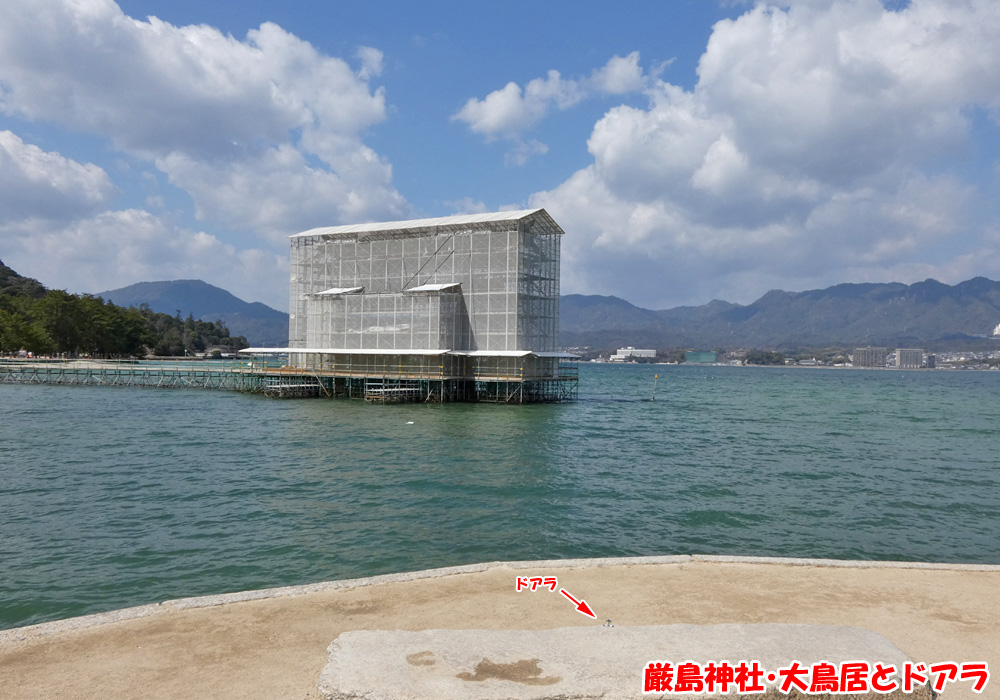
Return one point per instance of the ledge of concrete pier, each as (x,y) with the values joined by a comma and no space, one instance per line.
(273,643)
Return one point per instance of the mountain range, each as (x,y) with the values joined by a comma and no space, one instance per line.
(259,324)
(926,314)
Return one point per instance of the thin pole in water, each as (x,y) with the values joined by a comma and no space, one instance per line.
(655,377)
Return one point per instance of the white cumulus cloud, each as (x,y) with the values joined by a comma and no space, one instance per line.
(37,184)
(511,111)
(524,151)
(276,192)
(117,248)
(821,143)
(199,100)
(621,75)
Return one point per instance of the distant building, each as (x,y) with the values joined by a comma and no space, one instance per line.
(701,357)
(870,357)
(931,361)
(625,354)
(909,358)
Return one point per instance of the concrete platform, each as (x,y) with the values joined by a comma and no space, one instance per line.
(272,644)
(572,662)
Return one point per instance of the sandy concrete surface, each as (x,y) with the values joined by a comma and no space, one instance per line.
(272,644)
(575,663)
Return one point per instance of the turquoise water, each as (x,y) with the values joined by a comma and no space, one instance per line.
(112,497)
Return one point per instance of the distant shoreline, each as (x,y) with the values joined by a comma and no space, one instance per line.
(795,366)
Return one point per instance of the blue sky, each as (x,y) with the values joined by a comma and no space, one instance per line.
(691,149)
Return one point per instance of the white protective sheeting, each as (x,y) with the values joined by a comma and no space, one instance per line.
(337,291)
(432,223)
(500,272)
(445,287)
(339,351)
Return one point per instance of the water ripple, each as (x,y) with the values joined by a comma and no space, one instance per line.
(114,497)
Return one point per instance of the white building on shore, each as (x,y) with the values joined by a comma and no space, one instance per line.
(630,353)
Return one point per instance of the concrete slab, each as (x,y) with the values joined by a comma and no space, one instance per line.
(267,644)
(573,662)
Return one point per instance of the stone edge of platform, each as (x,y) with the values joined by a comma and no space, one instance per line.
(141,611)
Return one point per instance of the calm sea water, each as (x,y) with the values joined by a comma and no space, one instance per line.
(112,497)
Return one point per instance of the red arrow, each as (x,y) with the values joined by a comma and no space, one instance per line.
(581,605)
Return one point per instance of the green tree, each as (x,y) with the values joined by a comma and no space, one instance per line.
(20,332)
(61,317)
(11,331)
(41,321)
(677,355)
(765,357)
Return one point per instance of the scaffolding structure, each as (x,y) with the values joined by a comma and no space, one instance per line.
(425,376)
(224,376)
(387,379)
(157,374)
(459,308)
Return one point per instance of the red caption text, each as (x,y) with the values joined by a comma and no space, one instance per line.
(821,677)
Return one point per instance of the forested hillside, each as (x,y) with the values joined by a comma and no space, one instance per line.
(41,321)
